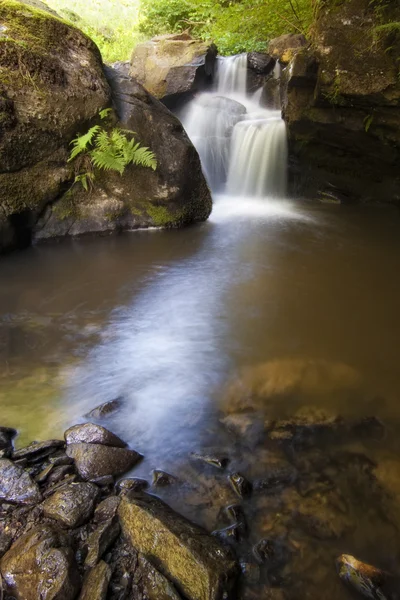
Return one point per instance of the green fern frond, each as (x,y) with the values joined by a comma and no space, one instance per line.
(108,161)
(145,157)
(102,141)
(103,114)
(81,142)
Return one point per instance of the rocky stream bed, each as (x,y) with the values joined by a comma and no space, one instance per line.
(72,528)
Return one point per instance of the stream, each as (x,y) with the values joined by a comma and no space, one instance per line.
(270,308)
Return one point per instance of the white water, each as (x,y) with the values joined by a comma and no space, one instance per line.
(242,146)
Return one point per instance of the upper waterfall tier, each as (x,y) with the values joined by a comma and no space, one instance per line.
(232,75)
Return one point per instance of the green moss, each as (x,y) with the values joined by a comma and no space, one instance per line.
(161,216)
(67,208)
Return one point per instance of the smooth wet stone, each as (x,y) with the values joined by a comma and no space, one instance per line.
(72,505)
(40,565)
(100,540)
(7,434)
(38,450)
(104,481)
(95,460)
(155,585)
(131,484)
(215,461)
(16,486)
(96,582)
(198,565)
(57,474)
(162,479)
(90,433)
(104,410)
(107,509)
(240,485)
(360,576)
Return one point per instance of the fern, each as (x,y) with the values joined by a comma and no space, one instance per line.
(108,151)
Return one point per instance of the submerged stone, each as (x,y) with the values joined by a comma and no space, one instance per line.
(214,461)
(193,560)
(72,505)
(162,479)
(360,576)
(96,582)
(40,565)
(228,534)
(106,409)
(16,486)
(240,485)
(90,433)
(131,484)
(95,460)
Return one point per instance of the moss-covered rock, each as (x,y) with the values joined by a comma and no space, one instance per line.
(341,104)
(173,195)
(51,84)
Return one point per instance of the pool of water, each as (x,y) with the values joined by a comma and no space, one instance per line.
(292,304)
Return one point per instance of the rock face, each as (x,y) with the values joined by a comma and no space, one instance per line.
(342,108)
(72,505)
(198,565)
(173,64)
(92,434)
(40,565)
(285,47)
(175,194)
(52,83)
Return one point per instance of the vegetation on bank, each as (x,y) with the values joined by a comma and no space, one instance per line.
(234,25)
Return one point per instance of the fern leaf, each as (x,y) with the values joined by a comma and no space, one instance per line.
(145,157)
(82,142)
(102,141)
(103,114)
(108,161)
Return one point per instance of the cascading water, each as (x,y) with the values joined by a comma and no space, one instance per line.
(242,146)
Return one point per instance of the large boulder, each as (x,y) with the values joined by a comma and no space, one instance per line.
(199,567)
(174,194)
(72,505)
(51,83)
(342,107)
(173,64)
(95,460)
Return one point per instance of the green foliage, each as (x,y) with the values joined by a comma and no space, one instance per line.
(234,25)
(368,122)
(107,150)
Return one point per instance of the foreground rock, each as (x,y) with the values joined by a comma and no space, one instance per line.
(173,195)
(365,579)
(41,565)
(72,505)
(173,64)
(197,564)
(16,486)
(93,460)
(95,584)
(342,108)
(90,433)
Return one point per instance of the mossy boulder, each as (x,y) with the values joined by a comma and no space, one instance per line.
(173,195)
(51,84)
(341,104)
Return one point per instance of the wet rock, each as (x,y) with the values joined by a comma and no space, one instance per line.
(90,433)
(107,509)
(7,434)
(40,565)
(260,62)
(234,515)
(214,461)
(156,586)
(95,460)
(73,504)
(96,582)
(43,475)
(16,486)
(194,561)
(229,534)
(240,485)
(57,474)
(272,552)
(60,459)
(6,538)
(131,484)
(66,481)
(100,540)
(104,481)
(162,479)
(363,578)
(305,424)
(106,409)
(38,450)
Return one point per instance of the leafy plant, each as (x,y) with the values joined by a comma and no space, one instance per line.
(107,150)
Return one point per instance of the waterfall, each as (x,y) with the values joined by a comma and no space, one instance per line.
(242,145)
